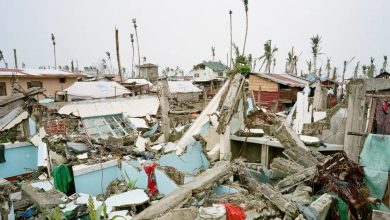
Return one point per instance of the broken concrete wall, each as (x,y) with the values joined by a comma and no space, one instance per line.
(190,162)
(95,179)
(21,158)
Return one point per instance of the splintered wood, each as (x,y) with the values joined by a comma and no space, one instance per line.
(229,102)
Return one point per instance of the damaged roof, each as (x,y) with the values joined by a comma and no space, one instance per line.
(178,87)
(97,89)
(138,82)
(39,73)
(284,79)
(138,106)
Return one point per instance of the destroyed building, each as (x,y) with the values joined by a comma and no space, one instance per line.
(233,160)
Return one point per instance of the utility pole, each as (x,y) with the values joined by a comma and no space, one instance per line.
(16,59)
(117,54)
(53,39)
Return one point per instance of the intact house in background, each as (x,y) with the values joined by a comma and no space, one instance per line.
(275,92)
(148,71)
(52,80)
(209,76)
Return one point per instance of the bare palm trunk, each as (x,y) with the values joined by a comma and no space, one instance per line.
(16,59)
(132,62)
(231,39)
(139,56)
(246,31)
(117,54)
(315,64)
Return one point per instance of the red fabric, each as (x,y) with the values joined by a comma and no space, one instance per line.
(234,212)
(385,106)
(152,184)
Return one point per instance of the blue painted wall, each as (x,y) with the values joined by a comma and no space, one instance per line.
(89,183)
(222,189)
(190,162)
(164,184)
(17,159)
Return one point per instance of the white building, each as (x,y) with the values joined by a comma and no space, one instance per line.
(208,71)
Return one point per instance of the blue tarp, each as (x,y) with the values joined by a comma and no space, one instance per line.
(375,160)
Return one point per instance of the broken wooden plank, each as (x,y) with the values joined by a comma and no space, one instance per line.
(29,92)
(355,119)
(220,171)
(230,103)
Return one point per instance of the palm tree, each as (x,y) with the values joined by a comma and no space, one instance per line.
(334,76)
(371,68)
(213,52)
(274,64)
(384,67)
(231,39)
(53,39)
(291,63)
(246,24)
(315,49)
(117,54)
(328,67)
(355,72)
(109,59)
(309,66)
(136,36)
(364,70)
(268,56)
(2,58)
(132,58)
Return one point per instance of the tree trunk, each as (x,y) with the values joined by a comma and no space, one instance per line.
(139,56)
(246,31)
(16,59)
(231,40)
(117,54)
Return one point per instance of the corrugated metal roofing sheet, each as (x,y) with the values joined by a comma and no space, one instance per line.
(284,79)
(39,73)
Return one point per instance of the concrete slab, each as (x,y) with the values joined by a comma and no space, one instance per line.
(129,198)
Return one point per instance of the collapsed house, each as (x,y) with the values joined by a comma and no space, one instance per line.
(235,161)
(182,91)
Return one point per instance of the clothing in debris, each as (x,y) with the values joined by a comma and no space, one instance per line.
(152,184)
(382,117)
(234,212)
(2,153)
(62,178)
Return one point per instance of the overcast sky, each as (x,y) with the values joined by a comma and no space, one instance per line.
(181,32)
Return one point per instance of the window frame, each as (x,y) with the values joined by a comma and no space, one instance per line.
(5,89)
(36,81)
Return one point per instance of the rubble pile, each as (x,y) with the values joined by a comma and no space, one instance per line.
(234,160)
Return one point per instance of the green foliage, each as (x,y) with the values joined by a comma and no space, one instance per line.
(131,183)
(55,214)
(95,214)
